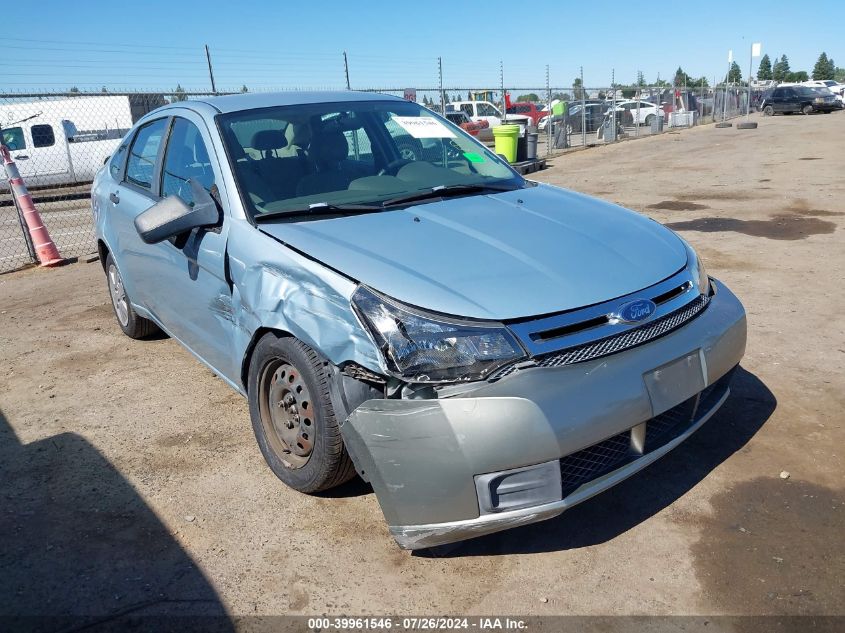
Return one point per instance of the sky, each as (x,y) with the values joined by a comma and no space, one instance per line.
(156,44)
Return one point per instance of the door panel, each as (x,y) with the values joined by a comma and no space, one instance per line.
(191,295)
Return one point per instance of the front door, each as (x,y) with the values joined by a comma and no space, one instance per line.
(40,152)
(188,290)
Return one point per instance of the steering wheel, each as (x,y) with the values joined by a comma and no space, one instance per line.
(394,166)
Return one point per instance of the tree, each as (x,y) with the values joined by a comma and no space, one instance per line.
(681,78)
(781,69)
(629,92)
(839,75)
(824,68)
(104,90)
(179,93)
(734,74)
(640,79)
(244,88)
(702,82)
(531,97)
(74,89)
(578,89)
(764,71)
(469,95)
(797,77)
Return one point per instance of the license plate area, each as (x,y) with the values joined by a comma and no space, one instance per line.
(676,381)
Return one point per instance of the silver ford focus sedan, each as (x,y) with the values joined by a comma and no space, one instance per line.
(396,301)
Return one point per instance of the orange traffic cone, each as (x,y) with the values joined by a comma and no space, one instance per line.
(45,248)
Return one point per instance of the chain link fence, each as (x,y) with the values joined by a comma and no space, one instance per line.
(60,140)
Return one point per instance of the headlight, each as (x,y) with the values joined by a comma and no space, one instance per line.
(696,267)
(420,347)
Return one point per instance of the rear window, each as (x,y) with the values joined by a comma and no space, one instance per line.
(42,136)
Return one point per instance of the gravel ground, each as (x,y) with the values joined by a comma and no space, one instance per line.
(130,479)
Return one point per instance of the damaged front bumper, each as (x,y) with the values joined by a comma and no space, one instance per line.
(528,446)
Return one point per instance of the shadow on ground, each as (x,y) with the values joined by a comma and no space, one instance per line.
(628,504)
(81,549)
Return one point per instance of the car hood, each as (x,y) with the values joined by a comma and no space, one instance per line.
(500,256)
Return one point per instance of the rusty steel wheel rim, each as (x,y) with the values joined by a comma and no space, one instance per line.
(287,413)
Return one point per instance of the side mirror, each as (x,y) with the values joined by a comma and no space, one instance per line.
(172,216)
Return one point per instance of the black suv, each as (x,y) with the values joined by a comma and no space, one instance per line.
(789,99)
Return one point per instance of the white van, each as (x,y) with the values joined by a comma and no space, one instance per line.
(65,141)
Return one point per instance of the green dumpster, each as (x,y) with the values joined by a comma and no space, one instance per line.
(506,137)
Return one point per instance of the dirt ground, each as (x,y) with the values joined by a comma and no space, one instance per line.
(130,478)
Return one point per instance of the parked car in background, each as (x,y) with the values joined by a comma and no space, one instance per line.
(485,111)
(532,110)
(462,120)
(644,115)
(485,351)
(592,118)
(797,99)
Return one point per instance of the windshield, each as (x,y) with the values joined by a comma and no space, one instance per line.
(352,153)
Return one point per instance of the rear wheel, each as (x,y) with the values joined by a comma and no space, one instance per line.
(133,326)
(649,120)
(292,415)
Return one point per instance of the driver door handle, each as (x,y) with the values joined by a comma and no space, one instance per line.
(114,198)
(21,157)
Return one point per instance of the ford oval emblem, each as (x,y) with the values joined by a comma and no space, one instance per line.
(635,311)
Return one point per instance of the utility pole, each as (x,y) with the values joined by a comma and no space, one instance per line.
(346,70)
(550,115)
(440,79)
(210,71)
(502,85)
(583,111)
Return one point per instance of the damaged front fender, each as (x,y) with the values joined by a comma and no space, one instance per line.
(280,289)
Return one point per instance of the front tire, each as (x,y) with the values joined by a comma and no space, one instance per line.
(133,326)
(768,111)
(807,110)
(292,415)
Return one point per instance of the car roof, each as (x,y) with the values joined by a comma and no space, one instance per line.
(255,100)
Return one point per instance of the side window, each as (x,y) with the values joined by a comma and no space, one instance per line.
(13,138)
(116,162)
(358,141)
(467,107)
(42,136)
(142,155)
(185,158)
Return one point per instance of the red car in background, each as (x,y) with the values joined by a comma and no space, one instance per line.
(529,109)
(462,120)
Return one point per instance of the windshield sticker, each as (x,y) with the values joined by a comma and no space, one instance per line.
(474,158)
(423,127)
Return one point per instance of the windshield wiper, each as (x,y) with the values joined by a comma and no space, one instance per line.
(317,209)
(442,191)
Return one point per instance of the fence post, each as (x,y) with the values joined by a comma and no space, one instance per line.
(26,236)
(46,250)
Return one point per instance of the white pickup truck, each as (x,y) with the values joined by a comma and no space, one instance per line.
(65,141)
(486,111)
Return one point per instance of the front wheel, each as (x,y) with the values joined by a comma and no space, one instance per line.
(292,415)
(807,109)
(768,111)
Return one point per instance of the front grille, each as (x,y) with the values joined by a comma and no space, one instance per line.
(619,342)
(606,456)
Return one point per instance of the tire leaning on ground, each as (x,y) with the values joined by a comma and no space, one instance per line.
(724,124)
(292,415)
(768,111)
(133,326)
(746,125)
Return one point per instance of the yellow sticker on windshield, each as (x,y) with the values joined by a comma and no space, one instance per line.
(473,157)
